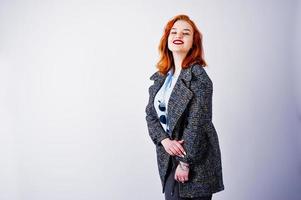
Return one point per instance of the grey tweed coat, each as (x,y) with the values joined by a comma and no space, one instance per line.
(190,117)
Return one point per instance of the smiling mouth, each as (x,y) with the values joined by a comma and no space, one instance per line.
(178,42)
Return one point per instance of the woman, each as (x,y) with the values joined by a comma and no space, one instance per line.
(179,116)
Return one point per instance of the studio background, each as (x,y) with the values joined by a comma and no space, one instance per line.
(74,78)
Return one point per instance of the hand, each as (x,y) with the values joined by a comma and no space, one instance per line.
(181,173)
(173,147)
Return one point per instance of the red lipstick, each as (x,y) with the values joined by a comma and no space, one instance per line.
(178,42)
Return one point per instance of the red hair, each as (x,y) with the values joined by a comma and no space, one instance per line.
(194,55)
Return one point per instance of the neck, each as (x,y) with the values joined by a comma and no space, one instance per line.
(178,58)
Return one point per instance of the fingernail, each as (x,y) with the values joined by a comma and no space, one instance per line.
(183,156)
(185,153)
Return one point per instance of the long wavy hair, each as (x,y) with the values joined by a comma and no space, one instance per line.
(194,55)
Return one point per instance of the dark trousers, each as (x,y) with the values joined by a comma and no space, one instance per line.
(172,186)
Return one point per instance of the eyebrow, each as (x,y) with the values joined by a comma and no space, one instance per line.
(185,29)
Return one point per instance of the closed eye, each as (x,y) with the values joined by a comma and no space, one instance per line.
(173,32)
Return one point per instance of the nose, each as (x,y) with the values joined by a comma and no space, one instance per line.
(179,35)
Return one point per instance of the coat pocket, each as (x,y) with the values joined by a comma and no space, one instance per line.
(202,171)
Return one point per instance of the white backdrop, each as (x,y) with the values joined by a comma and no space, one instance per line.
(74,80)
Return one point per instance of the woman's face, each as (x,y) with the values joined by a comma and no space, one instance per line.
(180,38)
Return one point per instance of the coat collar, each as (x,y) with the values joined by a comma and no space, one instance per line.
(185,74)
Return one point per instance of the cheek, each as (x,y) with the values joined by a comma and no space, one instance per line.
(189,43)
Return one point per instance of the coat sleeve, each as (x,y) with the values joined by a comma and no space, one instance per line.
(199,114)
(155,130)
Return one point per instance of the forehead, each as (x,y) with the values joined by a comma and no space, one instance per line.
(181,24)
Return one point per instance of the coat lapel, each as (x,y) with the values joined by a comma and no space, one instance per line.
(179,97)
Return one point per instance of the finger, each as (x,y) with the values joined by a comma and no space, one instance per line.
(177,150)
(180,148)
(173,150)
(179,143)
(181,179)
